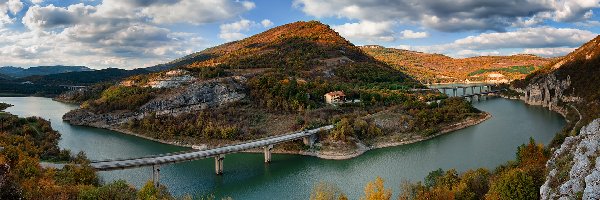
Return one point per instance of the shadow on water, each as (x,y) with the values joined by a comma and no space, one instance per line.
(488,144)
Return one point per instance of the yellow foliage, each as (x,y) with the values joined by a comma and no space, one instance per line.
(327,191)
(376,190)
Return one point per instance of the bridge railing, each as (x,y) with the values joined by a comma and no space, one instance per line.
(197,150)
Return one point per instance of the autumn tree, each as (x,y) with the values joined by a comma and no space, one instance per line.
(327,191)
(375,190)
(151,192)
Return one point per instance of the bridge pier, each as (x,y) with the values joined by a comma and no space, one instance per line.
(472,89)
(156,175)
(267,151)
(464,91)
(308,140)
(219,164)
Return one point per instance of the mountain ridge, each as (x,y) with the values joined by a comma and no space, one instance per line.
(439,68)
(18,72)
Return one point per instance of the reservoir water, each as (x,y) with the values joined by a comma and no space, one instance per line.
(488,145)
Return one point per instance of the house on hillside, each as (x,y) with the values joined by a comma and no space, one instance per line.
(335,97)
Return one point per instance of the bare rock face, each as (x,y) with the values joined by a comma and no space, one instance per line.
(105,120)
(580,157)
(198,96)
(193,97)
(547,91)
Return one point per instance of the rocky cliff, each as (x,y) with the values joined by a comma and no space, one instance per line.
(575,167)
(571,82)
(548,91)
(193,97)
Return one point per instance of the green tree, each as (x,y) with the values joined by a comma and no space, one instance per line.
(514,184)
(433,176)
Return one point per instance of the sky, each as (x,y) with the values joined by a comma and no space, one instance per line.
(139,33)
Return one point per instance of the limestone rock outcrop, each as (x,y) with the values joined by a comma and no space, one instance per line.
(193,97)
(575,167)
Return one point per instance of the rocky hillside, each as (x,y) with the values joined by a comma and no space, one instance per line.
(574,168)
(572,80)
(438,68)
(570,86)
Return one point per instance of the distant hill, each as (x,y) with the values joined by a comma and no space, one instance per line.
(52,84)
(17,72)
(438,68)
(83,77)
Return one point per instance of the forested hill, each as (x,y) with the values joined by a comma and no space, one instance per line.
(272,83)
(438,68)
(17,72)
(84,77)
(50,85)
(573,79)
(299,45)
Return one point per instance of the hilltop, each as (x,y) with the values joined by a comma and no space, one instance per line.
(272,83)
(438,68)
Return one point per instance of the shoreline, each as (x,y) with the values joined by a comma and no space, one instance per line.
(362,148)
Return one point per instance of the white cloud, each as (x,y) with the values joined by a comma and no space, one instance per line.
(452,15)
(528,37)
(573,10)
(266,23)
(9,7)
(15,6)
(113,33)
(367,31)
(471,53)
(49,17)
(409,34)
(549,52)
(37,1)
(232,31)
(197,12)
(589,23)
(540,41)
(232,36)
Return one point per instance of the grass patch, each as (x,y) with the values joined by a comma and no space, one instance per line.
(512,69)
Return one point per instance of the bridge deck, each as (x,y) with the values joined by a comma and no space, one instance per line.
(200,154)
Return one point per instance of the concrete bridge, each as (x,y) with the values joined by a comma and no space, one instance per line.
(218,153)
(476,91)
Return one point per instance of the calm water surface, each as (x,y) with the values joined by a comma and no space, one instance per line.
(488,144)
